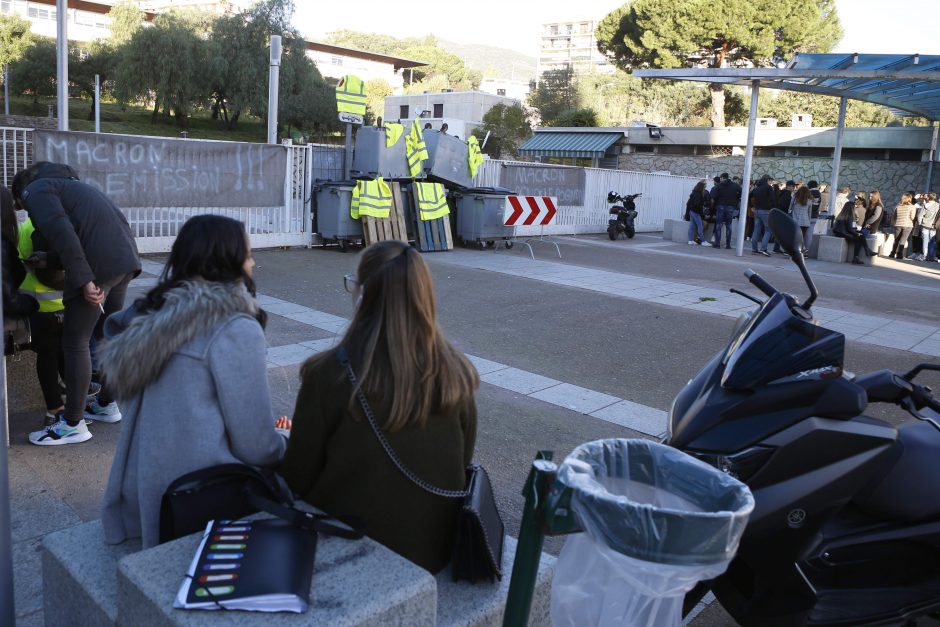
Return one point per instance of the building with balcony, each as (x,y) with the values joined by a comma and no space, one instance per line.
(571,44)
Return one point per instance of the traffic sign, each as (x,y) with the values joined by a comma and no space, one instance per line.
(350,118)
(529,210)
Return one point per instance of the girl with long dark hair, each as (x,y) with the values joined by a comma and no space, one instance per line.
(420,389)
(187,362)
(844,227)
(696,206)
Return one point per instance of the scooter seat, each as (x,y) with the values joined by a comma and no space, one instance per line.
(908,490)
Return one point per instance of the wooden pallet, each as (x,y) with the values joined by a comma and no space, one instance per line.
(431,235)
(382,229)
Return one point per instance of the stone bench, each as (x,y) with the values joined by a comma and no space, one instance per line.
(838,250)
(676,231)
(87,582)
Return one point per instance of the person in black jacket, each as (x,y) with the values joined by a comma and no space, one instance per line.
(95,245)
(698,201)
(15,304)
(844,227)
(727,202)
(765,199)
(784,196)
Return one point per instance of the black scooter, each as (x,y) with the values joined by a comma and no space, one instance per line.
(622,218)
(846,529)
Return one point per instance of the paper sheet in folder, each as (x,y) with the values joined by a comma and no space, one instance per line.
(257,565)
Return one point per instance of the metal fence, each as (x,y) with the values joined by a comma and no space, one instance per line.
(663,198)
(156,227)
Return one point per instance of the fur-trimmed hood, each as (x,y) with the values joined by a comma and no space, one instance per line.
(139,345)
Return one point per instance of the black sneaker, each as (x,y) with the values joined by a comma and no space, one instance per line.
(765,253)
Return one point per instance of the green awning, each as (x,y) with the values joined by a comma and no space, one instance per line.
(563,144)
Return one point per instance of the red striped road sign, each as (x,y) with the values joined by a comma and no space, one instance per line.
(529,210)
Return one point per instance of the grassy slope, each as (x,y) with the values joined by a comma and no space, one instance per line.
(136,121)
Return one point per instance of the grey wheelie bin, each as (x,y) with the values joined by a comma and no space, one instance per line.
(448,159)
(373,158)
(333,220)
(480,216)
(656,521)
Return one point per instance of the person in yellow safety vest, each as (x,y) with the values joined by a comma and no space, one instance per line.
(474,155)
(371,198)
(432,201)
(393,132)
(46,328)
(415,149)
(351,95)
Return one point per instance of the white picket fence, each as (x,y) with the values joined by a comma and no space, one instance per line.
(663,198)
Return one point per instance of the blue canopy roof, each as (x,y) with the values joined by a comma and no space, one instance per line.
(906,84)
(547,143)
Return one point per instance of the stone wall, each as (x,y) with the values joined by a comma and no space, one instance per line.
(891,178)
(25,121)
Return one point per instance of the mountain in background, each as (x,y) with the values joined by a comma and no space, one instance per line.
(493,61)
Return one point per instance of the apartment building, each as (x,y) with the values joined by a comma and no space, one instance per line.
(571,44)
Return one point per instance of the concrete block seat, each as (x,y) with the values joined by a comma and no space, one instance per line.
(831,248)
(676,231)
(865,259)
(87,582)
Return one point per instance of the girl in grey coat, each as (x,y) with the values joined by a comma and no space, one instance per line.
(187,362)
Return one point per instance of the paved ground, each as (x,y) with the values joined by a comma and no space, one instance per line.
(591,346)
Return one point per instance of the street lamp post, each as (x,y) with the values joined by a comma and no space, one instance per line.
(273,78)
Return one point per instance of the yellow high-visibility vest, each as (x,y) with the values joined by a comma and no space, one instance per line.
(474,155)
(415,149)
(50,300)
(393,132)
(371,198)
(432,201)
(351,95)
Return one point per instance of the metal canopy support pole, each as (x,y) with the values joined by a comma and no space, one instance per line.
(7,612)
(97,103)
(62,63)
(933,157)
(837,158)
(748,166)
(273,78)
(6,89)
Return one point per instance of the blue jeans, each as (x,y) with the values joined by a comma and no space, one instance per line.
(723,216)
(761,233)
(926,237)
(695,224)
(932,249)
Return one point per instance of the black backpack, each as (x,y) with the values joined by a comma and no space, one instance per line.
(231,492)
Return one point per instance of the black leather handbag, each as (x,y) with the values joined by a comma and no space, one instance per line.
(231,492)
(17,335)
(478,546)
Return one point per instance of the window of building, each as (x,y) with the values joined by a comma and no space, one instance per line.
(644,148)
(553,30)
(905,154)
(500,92)
(402,112)
(439,110)
(336,60)
(568,28)
(6,6)
(676,149)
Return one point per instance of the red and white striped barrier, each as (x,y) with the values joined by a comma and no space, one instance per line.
(529,210)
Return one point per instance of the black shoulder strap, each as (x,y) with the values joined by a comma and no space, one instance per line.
(307,520)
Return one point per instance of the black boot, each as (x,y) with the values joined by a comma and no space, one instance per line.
(858,262)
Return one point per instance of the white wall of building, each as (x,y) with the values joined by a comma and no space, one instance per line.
(336,66)
(82,25)
(565,44)
(505,87)
(462,110)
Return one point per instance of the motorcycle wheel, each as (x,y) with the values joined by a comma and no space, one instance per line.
(612,232)
(631,232)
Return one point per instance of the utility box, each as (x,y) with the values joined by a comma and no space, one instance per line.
(448,159)
(373,158)
(334,222)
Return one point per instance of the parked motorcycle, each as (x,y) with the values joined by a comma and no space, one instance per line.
(622,218)
(846,529)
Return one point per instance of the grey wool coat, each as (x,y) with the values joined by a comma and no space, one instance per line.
(193,388)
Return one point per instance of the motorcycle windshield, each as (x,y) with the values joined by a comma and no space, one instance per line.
(777,344)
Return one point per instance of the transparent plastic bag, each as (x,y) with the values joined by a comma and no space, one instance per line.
(656,521)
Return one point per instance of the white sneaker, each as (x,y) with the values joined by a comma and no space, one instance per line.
(102,413)
(61,432)
(706,245)
(691,243)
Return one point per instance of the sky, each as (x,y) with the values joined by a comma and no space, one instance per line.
(871,26)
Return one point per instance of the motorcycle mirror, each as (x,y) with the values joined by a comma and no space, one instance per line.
(787,233)
(790,237)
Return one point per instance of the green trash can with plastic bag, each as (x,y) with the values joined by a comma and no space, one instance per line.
(654,522)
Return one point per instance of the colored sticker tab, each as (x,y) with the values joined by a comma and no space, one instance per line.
(229,538)
(219,577)
(225,556)
(234,529)
(223,566)
(215,591)
(227,547)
